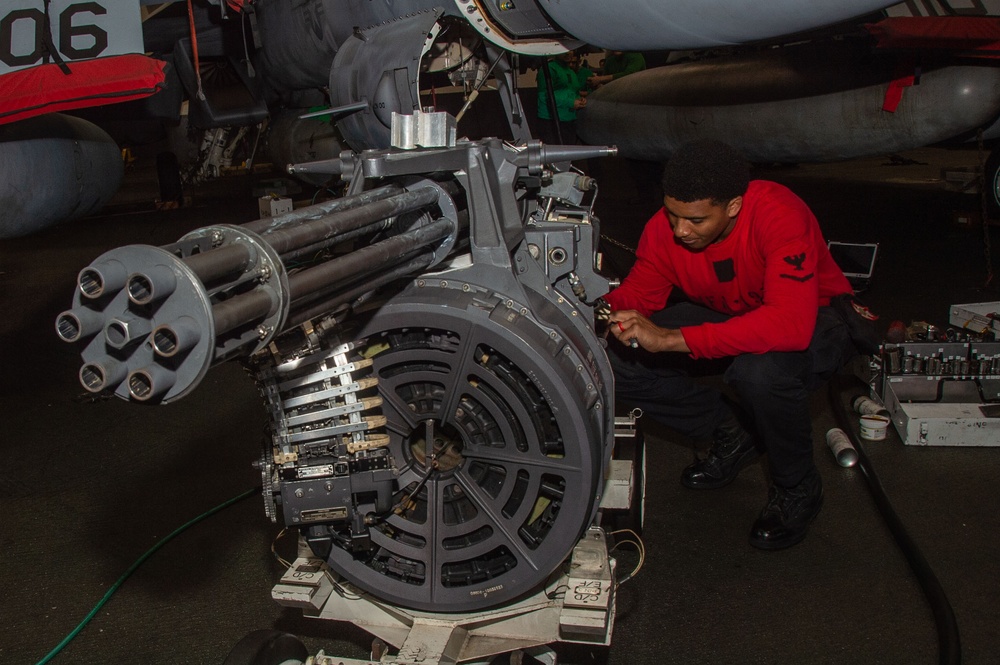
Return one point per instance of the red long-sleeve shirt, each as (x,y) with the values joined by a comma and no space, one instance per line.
(772,273)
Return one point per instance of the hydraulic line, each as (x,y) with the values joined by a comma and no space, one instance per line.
(138,562)
(950,649)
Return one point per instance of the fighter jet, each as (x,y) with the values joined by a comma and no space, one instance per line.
(248,70)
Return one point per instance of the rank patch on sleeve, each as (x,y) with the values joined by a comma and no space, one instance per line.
(796,261)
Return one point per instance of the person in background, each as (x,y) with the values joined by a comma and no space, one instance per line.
(751,261)
(583,73)
(564,94)
(616,65)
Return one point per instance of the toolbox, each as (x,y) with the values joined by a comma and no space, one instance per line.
(943,393)
(977,317)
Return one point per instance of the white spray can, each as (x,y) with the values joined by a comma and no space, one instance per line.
(842,447)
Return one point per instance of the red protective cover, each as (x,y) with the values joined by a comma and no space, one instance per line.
(977,36)
(46,89)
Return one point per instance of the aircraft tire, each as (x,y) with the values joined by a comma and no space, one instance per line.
(267,647)
(991,184)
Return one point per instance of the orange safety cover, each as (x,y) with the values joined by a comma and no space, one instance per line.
(46,89)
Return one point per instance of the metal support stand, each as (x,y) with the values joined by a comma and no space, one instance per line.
(576,605)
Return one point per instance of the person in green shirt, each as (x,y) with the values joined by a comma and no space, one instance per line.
(616,65)
(567,95)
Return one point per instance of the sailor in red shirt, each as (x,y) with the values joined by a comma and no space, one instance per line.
(751,261)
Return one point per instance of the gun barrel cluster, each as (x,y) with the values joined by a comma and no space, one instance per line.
(154,319)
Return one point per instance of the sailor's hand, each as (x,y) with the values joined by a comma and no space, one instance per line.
(636,331)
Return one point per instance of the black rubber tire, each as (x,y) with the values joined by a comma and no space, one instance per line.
(267,647)
(991,186)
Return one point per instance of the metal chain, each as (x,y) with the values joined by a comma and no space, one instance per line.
(617,244)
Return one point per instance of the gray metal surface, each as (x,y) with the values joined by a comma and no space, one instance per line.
(118,356)
(795,104)
(469,476)
(53,169)
(380,64)
(641,25)
(223,291)
(520,411)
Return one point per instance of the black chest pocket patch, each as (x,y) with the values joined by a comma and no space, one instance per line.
(725,271)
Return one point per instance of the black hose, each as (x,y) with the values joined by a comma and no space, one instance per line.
(949,643)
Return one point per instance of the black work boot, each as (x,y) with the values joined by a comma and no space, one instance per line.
(785,519)
(732,449)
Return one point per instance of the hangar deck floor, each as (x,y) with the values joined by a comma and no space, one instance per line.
(90,486)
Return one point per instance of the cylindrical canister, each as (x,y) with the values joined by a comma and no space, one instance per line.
(866,406)
(892,356)
(841,446)
(873,427)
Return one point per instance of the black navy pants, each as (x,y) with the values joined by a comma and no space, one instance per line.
(773,388)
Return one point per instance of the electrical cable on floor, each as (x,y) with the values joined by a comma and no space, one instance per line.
(558,592)
(635,541)
(138,562)
(949,643)
(274,549)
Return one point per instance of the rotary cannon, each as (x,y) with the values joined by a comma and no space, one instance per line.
(441,409)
